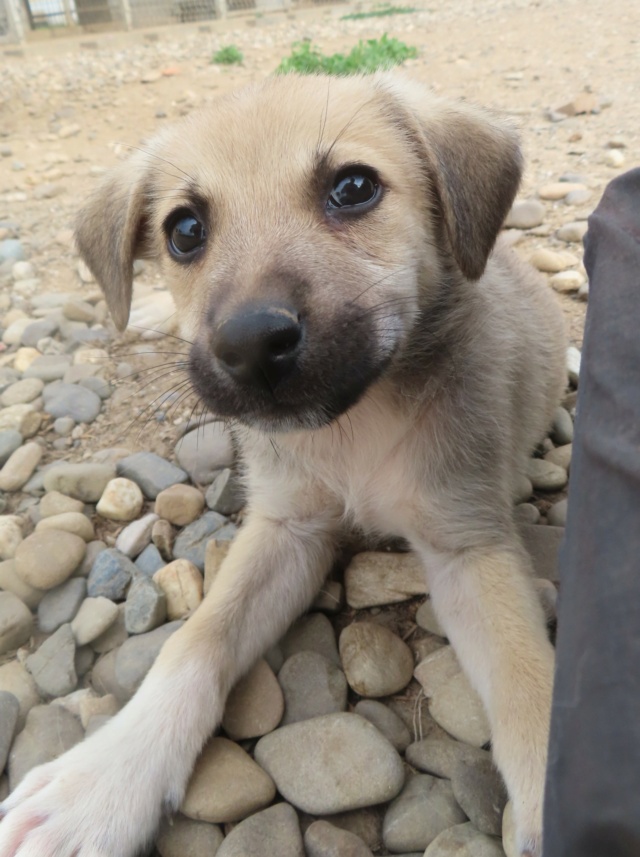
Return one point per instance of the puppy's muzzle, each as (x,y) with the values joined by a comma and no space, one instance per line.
(259,345)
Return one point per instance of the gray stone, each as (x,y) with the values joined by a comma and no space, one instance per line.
(332,763)
(573,232)
(16,622)
(182,837)
(386,721)
(84,482)
(136,656)
(274,831)
(375,578)
(10,440)
(561,456)
(480,792)
(464,840)
(425,807)
(111,575)
(63,426)
(441,756)
(525,214)
(526,513)
(60,605)
(151,472)
(562,428)
(225,494)
(49,732)
(546,476)
(428,621)
(557,514)
(375,660)
(71,400)
(150,561)
(145,607)
(192,541)
(9,713)
(33,333)
(11,249)
(98,386)
(226,784)
(325,840)
(255,705)
(49,367)
(312,633)
(457,708)
(205,451)
(53,665)
(543,544)
(312,685)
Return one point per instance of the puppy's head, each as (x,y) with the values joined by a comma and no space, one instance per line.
(306,226)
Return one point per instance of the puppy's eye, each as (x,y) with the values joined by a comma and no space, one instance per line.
(186,234)
(354,188)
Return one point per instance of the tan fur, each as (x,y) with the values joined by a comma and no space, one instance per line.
(471,348)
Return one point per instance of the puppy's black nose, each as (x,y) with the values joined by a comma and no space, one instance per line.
(259,345)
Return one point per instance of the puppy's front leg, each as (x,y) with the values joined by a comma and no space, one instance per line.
(486,603)
(104,797)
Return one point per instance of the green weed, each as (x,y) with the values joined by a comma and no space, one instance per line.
(380,13)
(229,55)
(365,58)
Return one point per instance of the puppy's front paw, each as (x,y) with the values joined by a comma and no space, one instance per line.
(94,801)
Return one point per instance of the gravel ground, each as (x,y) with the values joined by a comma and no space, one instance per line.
(118,506)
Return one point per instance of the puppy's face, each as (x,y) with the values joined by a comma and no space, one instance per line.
(304,226)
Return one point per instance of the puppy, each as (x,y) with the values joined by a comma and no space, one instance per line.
(329,246)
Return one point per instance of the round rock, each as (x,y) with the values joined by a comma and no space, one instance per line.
(69,522)
(72,400)
(121,500)
(546,476)
(386,721)
(46,559)
(179,504)
(425,807)
(312,686)
(274,831)
(255,705)
(50,731)
(53,665)
(525,214)
(375,578)
(21,392)
(323,839)
(480,792)
(84,482)
(61,604)
(182,583)
(464,841)
(92,619)
(19,468)
(333,763)
(226,784)
(375,660)
(16,622)
(182,837)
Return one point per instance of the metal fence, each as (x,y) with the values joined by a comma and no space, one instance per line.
(18,18)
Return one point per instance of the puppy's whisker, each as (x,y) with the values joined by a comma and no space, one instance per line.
(163,332)
(164,160)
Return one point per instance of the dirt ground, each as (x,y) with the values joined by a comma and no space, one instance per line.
(71,107)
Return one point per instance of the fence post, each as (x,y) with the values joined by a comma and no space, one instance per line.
(221,8)
(126,14)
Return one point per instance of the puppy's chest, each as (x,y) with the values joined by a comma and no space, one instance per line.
(375,476)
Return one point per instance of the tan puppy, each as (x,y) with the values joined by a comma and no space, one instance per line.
(329,248)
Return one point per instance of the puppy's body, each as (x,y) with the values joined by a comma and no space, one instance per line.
(408,375)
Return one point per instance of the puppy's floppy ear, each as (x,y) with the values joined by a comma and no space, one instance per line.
(110,234)
(475,165)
